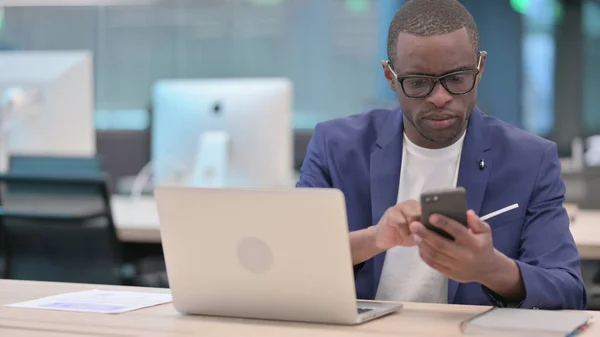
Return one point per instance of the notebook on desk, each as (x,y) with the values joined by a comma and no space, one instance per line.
(527,322)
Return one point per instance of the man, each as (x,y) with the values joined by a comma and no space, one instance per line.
(383,159)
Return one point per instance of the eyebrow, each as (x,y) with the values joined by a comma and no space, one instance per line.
(462,68)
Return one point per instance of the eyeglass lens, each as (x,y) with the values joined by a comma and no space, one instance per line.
(455,83)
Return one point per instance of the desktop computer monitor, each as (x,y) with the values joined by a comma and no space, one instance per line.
(223,133)
(58,117)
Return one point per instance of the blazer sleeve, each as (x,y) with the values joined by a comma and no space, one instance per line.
(314,171)
(549,261)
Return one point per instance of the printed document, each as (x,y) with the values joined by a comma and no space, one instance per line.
(97,301)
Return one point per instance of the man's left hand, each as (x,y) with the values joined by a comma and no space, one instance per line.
(471,257)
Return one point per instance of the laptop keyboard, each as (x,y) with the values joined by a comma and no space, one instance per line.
(363,310)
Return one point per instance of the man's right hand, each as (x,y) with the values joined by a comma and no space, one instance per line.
(393,227)
(392,230)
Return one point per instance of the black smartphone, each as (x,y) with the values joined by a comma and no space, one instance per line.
(448,202)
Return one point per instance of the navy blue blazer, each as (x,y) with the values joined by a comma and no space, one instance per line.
(361,156)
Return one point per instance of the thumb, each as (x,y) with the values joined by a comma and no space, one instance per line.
(475,224)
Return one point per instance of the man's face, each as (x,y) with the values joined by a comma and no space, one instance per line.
(435,118)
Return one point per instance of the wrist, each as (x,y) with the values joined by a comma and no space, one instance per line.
(496,270)
(363,244)
(378,243)
(504,279)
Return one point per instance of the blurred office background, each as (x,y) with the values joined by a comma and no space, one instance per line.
(329,49)
(541,75)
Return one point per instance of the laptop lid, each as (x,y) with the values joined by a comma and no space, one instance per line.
(268,254)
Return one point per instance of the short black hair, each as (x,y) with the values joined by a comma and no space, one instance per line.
(429,18)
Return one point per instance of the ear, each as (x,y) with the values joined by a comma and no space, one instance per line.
(389,77)
(482,65)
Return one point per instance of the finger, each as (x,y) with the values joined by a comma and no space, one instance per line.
(430,238)
(411,210)
(450,226)
(397,220)
(435,258)
(440,252)
(415,229)
(475,223)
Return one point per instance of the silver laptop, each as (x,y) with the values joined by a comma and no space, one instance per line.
(264,254)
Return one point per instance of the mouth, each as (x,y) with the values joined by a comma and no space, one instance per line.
(440,121)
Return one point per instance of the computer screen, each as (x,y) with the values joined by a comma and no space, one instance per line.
(58,119)
(223,132)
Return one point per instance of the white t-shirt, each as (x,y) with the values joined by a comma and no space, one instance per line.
(405,277)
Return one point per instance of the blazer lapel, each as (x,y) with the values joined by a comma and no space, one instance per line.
(475,166)
(386,159)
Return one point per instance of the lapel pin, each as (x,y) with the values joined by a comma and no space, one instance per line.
(481,164)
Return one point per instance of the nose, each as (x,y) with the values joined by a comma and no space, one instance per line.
(439,97)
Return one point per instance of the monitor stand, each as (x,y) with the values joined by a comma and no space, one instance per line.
(212,159)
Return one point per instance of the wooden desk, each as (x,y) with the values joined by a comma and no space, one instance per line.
(586,232)
(413,320)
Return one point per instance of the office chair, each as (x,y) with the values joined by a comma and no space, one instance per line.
(56,222)
(55,166)
(59,229)
(73,196)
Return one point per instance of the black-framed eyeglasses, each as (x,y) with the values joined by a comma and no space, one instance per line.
(456,83)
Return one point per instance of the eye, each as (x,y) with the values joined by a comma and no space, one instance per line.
(456,78)
(417,82)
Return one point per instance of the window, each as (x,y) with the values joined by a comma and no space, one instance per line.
(591,73)
(329,49)
(538,43)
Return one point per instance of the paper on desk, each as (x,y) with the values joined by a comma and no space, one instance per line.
(97,301)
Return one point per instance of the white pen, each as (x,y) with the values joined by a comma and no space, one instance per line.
(498,212)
